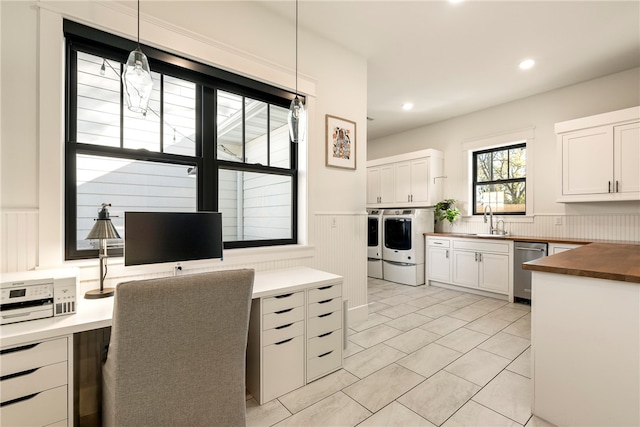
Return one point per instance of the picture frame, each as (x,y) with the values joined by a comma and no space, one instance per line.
(340,142)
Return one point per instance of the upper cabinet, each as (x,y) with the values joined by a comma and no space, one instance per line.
(600,157)
(411,179)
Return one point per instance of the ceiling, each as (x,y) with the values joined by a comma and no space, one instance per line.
(452,59)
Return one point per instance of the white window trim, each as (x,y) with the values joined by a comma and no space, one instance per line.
(494,141)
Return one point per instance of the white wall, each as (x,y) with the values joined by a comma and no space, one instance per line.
(613,92)
(242,37)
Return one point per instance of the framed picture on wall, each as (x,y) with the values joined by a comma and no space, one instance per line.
(341,142)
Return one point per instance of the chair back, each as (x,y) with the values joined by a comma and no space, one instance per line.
(177,351)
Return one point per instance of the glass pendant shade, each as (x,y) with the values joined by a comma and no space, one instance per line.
(137,81)
(297,119)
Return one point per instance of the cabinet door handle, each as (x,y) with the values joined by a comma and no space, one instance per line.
(325,335)
(326,314)
(326,354)
(284,342)
(476,254)
(609,190)
(21,348)
(447,256)
(322,288)
(325,301)
(284,295)
(480,256)
(284,311)
(617,187)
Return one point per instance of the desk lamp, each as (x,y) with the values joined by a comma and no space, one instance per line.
(102,230)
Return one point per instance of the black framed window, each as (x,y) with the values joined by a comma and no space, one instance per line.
(210,141)
(499,180)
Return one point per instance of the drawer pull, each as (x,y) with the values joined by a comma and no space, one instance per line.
(326,354)
(284,326)
(284,341)
(325,301)
(325,287)
(324,335)
(18,374)
(284,311)
(284,296)
(19,399)
(22,348)
(326,314)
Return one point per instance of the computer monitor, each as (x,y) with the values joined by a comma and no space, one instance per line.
(156,237)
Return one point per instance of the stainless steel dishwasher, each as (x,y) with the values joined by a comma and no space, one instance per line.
(524,252)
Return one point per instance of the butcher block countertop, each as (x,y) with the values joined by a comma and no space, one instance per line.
(618,261)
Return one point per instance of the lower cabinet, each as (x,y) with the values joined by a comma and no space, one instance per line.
(294,338)
(473,263)
(34,384)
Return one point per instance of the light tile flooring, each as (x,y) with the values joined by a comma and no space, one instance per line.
(426,356)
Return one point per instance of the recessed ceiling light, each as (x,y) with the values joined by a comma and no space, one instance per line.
(527,64)
(407,106)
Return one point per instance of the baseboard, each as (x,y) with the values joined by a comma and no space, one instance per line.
(468,290)
(357,314)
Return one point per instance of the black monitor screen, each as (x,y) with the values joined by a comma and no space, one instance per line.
(154,237)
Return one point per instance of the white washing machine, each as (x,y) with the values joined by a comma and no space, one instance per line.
(403,250)
(374,243)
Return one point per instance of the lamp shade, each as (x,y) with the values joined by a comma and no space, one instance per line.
(137,81)
(297,120)
(103,227)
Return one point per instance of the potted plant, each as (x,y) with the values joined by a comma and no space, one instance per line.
(447,210)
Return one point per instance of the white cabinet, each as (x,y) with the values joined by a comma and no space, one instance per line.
(600,157)
(438,263)
(481,264)
(380,184)
(556,248)
(294,338)
(35,387)
(412,179)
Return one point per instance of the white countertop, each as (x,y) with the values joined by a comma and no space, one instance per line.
(95,314)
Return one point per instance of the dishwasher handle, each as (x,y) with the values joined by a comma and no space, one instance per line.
(520,248)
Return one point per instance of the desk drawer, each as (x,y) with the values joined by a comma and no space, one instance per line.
(324,363)
(325,323)
(283,368)
(44,408)
(324,343)
(44,378)
(282,302)
(325,306)
(27,357)
(325,292)
(283,317)
(291,330)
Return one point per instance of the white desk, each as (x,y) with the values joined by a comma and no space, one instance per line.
(97,314)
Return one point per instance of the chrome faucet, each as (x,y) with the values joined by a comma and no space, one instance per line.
(498,231)
(491,229)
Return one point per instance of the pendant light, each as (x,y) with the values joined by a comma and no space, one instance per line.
(136,78)
(297,117)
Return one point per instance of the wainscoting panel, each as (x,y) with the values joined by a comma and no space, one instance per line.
(341,248)
(18,240)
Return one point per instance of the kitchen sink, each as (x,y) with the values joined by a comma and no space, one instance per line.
(493,236)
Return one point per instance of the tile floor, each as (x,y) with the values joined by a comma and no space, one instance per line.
(426,356)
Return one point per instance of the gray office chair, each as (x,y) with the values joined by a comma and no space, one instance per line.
(177,351)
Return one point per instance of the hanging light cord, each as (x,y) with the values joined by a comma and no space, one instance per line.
(138,23)
(296,47)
